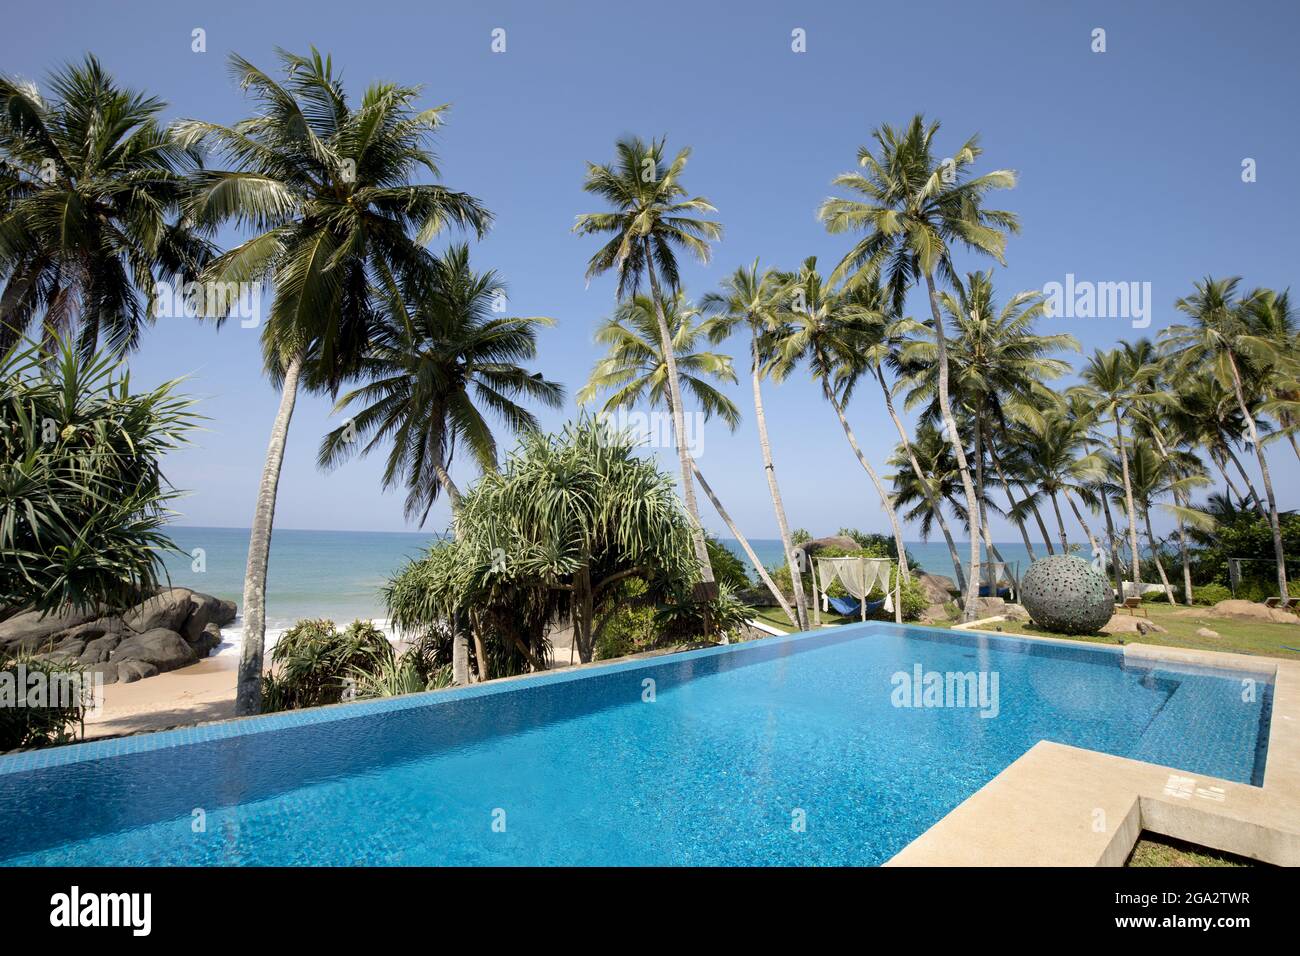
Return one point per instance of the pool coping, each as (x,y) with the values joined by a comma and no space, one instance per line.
(1054,805)
(1059,805)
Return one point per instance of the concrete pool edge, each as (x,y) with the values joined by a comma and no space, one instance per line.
(1059,805)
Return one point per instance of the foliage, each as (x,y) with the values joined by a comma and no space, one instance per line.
(728,569)
(329,186)
(438,359)
(547,540)
(64,704)
(1244,534)
(91,186)
(314,663)
(1210,593)
(82,496)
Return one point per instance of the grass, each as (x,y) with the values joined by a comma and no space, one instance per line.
(1237,637)
(1154,850)
(776,618)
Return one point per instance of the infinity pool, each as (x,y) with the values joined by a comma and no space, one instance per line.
(783,751)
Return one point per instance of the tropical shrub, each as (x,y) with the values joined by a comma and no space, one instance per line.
(728,569)
(315,663)
(82,496)
(1210,593)
(39,722)
(689,620)
(549,539)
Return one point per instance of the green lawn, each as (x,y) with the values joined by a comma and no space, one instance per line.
(1154,850)
(777,619)
(1240,637)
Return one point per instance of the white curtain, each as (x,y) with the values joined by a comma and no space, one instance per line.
(858,575)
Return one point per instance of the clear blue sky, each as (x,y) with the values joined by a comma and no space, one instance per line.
(1129,163)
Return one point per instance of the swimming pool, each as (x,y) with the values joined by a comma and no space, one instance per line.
(808,749)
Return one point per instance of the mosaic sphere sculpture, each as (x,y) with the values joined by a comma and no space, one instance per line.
(1066,594)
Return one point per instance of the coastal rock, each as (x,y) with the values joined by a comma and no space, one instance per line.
(1250,611)
(937,588)
(840,541)
(107,672)
(990,607)
(175,627)
(167,609)
(98,650)
(130,671)
(206,642)
(1128,624)
(32,630)
(163,648)
(935,614)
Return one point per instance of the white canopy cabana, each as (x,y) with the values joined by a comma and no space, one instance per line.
(859,577)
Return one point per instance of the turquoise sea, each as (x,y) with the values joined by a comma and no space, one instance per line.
(338,574)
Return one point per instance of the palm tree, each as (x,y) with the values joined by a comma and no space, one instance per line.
(753,299)
(1112,383)
(634,369)
(328,188)
(1158,422)
(876,345)
(1207,413)
(1224,340)
(823,328)
(438,357)
(939,480)
(90,191)
(917,208)
(650,221)
(1155,475)
(998,368)
(1268,315)
(1056,461)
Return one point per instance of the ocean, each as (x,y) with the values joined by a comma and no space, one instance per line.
(338,574)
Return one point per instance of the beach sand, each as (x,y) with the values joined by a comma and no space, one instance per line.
(196,694)
(203,692)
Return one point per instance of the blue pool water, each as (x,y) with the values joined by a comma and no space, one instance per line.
(737,745)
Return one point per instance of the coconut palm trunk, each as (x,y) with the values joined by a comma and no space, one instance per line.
(1078,515)
(1129,506)
(1273,521)
(1250,485)
(778,505)
(459,639)
(1180,501)
(1060,522)
(749,552)
(931,498)
(959,452)
(1011,500)
(1111,538)
(679,422)
(1155,556)
(248,693)
(886,501)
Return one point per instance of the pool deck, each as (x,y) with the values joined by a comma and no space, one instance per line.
(1064,806)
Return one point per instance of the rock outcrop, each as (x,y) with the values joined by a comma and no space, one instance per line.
(172,629)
